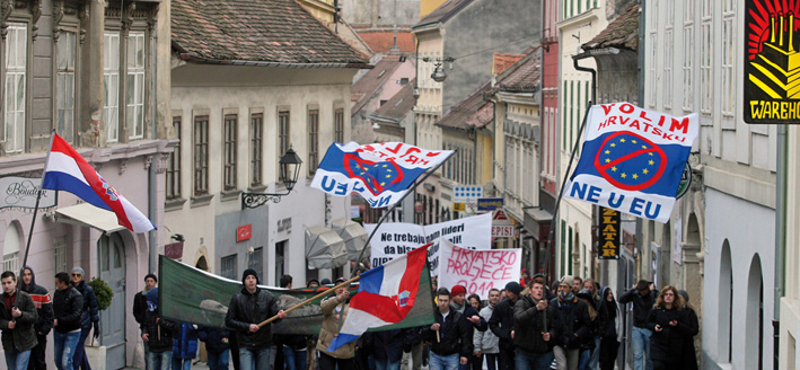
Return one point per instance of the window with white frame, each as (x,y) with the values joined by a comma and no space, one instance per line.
(338,125)
(60,256)
(653,81)
(65,85)
(706,74)
(11,249)
(728,56)
(229,151)
(256,144)
(228,266)
(668,55)
(200,154)
(283,141)
(688,56)
(173,173)
(16,54)
(134,98)
(111,85)
(313,140)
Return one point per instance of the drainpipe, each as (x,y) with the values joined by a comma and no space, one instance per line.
(780,236)
(152,175)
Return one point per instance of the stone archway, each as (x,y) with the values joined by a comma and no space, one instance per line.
(202,263)
(724,299)
(754,317)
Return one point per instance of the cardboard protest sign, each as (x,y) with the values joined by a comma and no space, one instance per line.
(478,270)
(396,239)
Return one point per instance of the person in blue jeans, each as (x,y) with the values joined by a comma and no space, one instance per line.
(217,346)
(157,332)
(17,318)
(454,344)
(90,317)
(67,306)
(184,347)
(534,329)
(643,296)
(247,309)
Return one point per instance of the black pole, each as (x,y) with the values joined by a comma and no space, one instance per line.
(30,232)
(553,224)
(385,214)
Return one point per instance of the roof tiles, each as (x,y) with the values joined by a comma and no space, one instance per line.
(623,32)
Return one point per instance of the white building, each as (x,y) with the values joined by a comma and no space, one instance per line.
(694,62)
(240,98)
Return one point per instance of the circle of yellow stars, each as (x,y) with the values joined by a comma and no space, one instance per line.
(624,175)
(369,179)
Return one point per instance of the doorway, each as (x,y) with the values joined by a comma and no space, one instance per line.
(112,319)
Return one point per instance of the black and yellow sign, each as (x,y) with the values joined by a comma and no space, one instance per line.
(772,61)
(610,231)
(459,207)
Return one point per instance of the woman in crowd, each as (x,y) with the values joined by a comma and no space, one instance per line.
(609,344)
(475,301)
(670,328)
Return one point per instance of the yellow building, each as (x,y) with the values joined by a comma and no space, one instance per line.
(427,6)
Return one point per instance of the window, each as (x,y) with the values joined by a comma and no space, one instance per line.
(283,140)
(256,133)
(313,141)
(404,80)
(65,86)
(652,72)
(229,152)
(60,256)
(134,116)
(668,68)
(280,250)
(173,174)
(111,86)
(563,247)
(228,267)
(201,155)
(255,260)
(338,125)
(16,55)
(728,57)
(688,66)
(564,120)
(705,59)
(11,248)
(569,252)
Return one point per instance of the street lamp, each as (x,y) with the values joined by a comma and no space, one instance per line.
(289,171)
(439,75)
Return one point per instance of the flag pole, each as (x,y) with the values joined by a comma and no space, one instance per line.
(553,224)
(307,301)
(36,206)
(386,214)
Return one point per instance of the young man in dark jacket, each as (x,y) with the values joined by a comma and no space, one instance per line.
(17,317)
(571,324)
(67,307)
(533,319)
(454,343)
(502,325)
(158,333)
(458,302)
(643,296)
(44,311)
(140,306)
(217,346)
(89,316)
(247,309)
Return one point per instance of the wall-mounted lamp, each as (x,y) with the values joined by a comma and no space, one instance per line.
(289,171)
(439,74)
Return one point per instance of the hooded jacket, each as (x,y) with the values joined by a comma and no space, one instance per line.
(140,306)
(486,341)
(67,307)
(252,308)
(159,330)
(641,305)
(502,323)
(184,342)
(530,324)
(22,337)
(455,335)
(571,322)
(89,315)
(43,302)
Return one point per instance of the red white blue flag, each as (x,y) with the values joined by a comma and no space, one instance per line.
(66,170)
(632,159)
(382,173)
(385,296)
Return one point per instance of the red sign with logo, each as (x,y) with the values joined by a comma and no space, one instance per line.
(174,250)
(244,232)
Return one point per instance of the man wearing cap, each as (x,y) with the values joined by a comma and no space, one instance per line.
(89,317)
(502,325)
(643,296)
(571,323)
(140,307)
(247,309)
(468,313)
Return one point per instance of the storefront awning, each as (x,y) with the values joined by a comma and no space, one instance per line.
(324,248)
(87,215)
(354,237)
(537,220)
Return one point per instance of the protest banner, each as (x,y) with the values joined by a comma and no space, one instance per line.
(478,270)
(395,239)
(193,296)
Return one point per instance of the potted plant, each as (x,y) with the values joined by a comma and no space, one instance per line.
(104,294)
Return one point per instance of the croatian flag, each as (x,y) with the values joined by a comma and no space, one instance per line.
(66,170)
(382,173)
(633,159)
(385,296)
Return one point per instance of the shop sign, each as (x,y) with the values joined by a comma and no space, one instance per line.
(609,233)
(459,207)
(503,231)
(489,204)
(244,232)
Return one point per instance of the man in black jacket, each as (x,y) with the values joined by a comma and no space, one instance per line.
(502,325)
(450,336)
(247,309)
(157,332)
(67,306)
(643,296)
(140,307)
(572,325)
(90,317)
(534,330)
(17,317)
(44,322)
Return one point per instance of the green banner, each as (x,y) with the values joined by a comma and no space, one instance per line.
(194,296)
